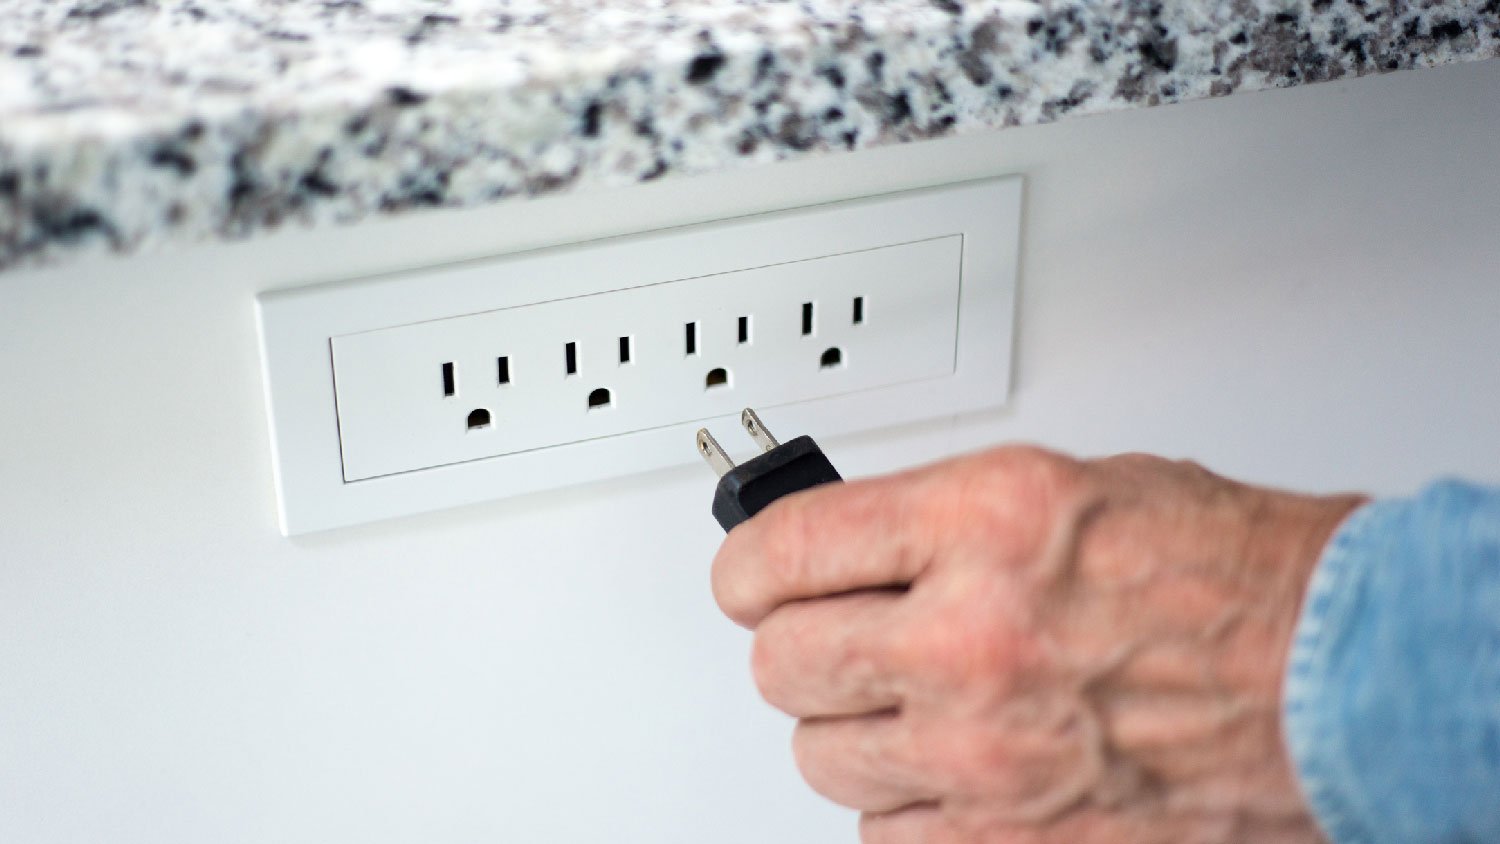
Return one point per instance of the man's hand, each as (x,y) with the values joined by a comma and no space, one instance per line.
(1022,647)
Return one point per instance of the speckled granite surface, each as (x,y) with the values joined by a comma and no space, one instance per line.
(128,122)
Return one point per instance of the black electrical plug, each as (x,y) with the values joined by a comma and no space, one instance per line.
(783,468)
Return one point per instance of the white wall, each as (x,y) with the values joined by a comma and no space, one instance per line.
(1297,287)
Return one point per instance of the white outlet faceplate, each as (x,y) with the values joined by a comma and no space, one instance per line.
(492,378)
(431,394)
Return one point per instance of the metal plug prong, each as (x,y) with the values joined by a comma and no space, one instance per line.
(717,458)
(757,430)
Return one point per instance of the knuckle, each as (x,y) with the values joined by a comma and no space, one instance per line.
(966,821)
(1196,476)
(969,644)
(767,663)
(755,561)
(983,755)
(1031,459)
(811,753)
(785,521)
(1136,458)
(948,650)
(905,827)
(964,758)
(784,533)
(1139,464)
(1189,466)
(1051,483)
(731,573)
(1061,479)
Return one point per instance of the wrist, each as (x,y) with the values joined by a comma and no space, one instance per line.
(1287,536)
(1289,539)
(1230,751)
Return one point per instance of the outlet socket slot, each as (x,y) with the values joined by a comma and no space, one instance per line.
(450,381)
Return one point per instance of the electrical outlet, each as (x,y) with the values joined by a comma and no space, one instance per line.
(497,377)
(540,376)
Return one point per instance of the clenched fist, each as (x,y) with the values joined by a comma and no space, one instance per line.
(1022,647)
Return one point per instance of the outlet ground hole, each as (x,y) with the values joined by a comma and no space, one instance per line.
(831,358)
(717,377)
(599,398)
(479,418)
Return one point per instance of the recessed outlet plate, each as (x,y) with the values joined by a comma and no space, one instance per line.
(474,387)
(492,378)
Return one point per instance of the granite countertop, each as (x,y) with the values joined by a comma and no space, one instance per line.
(126,123)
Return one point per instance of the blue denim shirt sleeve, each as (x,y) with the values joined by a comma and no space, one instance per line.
(1392,696)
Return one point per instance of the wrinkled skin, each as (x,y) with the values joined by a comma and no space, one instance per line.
(1021,647)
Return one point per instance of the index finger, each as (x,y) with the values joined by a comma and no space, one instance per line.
(822,541)
(1000,505)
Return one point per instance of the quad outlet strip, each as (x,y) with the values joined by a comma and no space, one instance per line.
(494,378)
